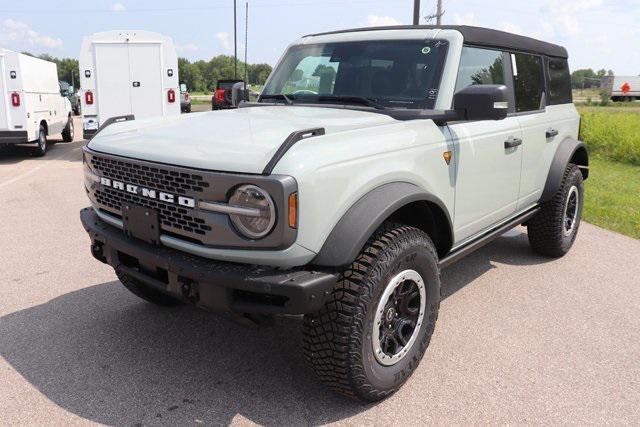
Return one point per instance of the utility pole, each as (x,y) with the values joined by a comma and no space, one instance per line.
(246,43)
(235,42)
(416,12)
(437,16)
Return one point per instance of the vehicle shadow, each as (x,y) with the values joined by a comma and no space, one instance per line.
(13,155)
(108,357)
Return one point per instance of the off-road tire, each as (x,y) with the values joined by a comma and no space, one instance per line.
(67,132)
(337,340)
(143,291)
(42,143)
(546,230)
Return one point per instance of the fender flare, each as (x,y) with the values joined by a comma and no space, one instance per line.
(565,152)
(352,231)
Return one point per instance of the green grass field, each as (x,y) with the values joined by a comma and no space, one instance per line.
(612,197)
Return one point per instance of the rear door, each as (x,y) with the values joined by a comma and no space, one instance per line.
(4,96)
(539,129)
(112,76)
(146,80)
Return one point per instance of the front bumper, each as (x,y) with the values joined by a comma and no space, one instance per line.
(14,137)
(216,285)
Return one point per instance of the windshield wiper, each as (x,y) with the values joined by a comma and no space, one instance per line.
(351,99)
(281,96)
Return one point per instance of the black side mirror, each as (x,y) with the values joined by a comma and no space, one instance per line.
(482,102)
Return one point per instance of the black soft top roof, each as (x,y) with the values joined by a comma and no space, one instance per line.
(479,36)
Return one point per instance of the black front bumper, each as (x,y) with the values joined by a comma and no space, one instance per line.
(14,137)
(216,285)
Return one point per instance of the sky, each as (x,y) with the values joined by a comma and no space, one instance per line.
(597,33)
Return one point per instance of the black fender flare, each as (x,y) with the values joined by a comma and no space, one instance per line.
(566,151)
(352,231)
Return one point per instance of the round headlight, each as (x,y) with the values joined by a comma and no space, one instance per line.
(260,214)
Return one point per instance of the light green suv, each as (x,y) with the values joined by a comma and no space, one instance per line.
(372,159)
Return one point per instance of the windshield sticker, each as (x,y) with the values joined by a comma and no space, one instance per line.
(432,94)
(426,50)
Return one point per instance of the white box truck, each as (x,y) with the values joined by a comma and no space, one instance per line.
(622,88)
(127,73)
(31,105)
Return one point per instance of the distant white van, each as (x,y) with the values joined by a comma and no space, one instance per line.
(31,106)
(128,72)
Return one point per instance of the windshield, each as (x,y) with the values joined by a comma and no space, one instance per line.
(377,74)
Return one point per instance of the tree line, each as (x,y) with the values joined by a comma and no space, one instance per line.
(198,76)
(587,78)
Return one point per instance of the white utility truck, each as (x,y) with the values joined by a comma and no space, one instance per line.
(622,88)
(127,73)
(31,106)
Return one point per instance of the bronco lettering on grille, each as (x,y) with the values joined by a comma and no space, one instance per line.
(149,193)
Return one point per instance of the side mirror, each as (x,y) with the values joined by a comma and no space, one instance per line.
(71,90)
(183,87)
(238,94)
(482,102)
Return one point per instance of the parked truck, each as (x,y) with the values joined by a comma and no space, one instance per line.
(127,73)
(622,88)
(31,104)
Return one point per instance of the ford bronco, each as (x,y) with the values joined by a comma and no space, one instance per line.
(372,159)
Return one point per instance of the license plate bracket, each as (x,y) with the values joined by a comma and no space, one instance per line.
(141,223)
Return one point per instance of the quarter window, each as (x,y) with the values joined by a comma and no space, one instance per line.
(559,82)
(479,67)
(528,82)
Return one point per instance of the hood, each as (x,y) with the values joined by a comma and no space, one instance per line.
(241,140)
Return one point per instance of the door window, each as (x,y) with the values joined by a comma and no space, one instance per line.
(528,82)
(480,66)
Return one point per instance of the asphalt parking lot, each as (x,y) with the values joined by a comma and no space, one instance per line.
(520,338)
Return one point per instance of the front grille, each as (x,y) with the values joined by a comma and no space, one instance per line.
(189,224)
(175,219)
(149,176)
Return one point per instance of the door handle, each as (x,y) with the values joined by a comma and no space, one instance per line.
(512,142)
(551,133)
(136,84)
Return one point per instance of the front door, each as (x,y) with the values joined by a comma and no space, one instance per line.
(488,154)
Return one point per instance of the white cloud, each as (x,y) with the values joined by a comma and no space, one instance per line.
(188,47)
(381,21)
(223,39)
(19,35)
(466,19)
(510,27)
(118,7)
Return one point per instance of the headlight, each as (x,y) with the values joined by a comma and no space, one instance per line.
(257,213)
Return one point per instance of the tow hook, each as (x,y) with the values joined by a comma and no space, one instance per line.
(98,252)
(189,289)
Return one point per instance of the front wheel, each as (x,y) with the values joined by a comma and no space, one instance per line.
(554,229)
(373,331)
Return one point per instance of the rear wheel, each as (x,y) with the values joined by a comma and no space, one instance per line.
(145,292)
(373,331)
(67,132)
(41,147)
(554,229)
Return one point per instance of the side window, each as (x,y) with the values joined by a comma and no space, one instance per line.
(480,66)
(528,81)
(559,81)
